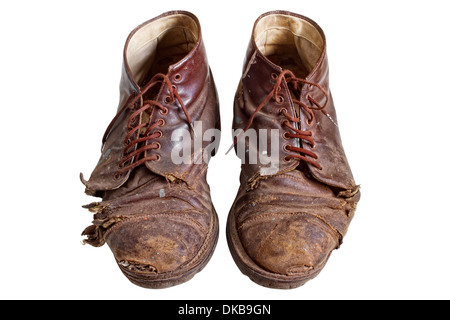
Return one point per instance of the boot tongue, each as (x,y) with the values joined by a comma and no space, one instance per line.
(151,94)
(295,96)
(161,66)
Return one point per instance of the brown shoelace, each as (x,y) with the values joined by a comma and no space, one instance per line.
(293,84)
(149,132)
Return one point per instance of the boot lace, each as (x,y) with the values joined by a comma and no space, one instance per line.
(294,85)
(146,130)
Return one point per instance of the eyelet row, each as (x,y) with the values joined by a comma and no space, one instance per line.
(162,123)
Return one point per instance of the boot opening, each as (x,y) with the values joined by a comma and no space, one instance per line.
(290,42)
(159,44)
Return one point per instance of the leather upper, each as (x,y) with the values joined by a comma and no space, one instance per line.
(195,85)
(157,217)
(290,214)
(257,82)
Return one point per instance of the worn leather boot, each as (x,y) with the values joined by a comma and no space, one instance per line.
(292,211)
(156,214)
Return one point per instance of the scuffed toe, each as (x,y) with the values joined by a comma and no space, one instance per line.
(151,247)
(295,244)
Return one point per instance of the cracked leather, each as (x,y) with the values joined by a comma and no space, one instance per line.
(158,218)
(289,222)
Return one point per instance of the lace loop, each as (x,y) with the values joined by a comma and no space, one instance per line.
(149,133)
(293,83)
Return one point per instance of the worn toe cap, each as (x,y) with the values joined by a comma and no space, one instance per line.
(293,244)
(155,244)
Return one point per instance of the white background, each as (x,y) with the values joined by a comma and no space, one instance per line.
(60,65)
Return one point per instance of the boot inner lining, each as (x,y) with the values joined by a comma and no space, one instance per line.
(290,42)
(159,44)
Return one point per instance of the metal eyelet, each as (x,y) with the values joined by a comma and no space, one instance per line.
(274,76)
(158,145)
(158,157)
(159,132)
(164,111)
(282,111)
(162,122)
(279,99)
(177,77)
(285,148)
(285,135)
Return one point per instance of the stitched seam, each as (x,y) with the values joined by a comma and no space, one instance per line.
(137,217)
(268,215)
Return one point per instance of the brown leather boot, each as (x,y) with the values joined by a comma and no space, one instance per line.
(156,214)
(292,211)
